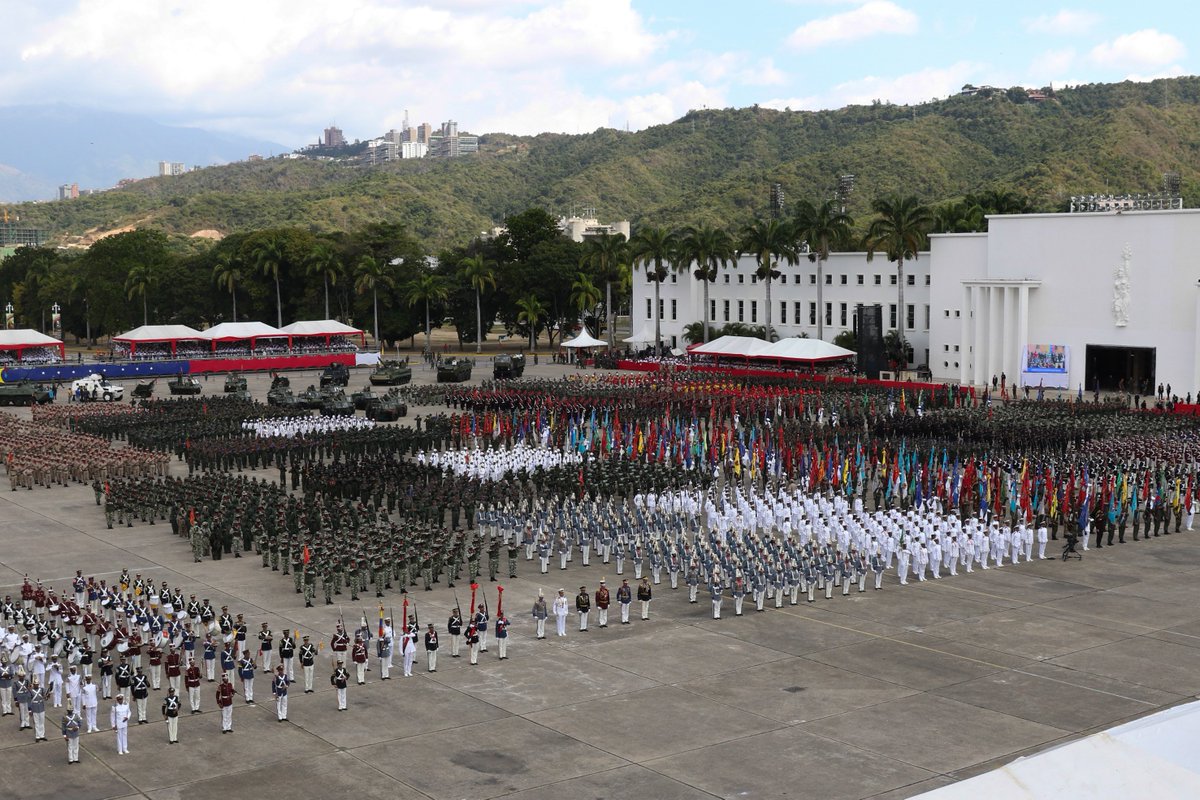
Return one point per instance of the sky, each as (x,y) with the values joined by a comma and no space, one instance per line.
(285,69)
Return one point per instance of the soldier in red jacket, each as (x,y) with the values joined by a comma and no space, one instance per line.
(225,703)
(154,654)
(191,680)
(359,656)
(174,668)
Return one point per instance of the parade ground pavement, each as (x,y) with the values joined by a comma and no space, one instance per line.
(884,694)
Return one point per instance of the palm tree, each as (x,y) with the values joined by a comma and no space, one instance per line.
(822,228)
(324,261)
(770,241)
(427,288)
(369,275)
(657,250)
(531,313)
(141,278)
(584,294)
(710,248)
(481,274)
(605,254)
(899,231)
(227,274)
(269,257)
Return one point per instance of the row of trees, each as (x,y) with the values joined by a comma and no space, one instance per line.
(531,277)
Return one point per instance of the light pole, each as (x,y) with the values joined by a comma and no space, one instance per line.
(55,308)
(87,319)
(8,315)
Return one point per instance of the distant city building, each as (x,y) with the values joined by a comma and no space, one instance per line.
(68,191)
(447,142)
(333,137)
(424,132)
(167,168)
(14,234)
(254,157)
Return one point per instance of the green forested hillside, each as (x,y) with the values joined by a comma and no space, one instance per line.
(710,166)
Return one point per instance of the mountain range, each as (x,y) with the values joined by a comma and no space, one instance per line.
(711,166)
(45,146)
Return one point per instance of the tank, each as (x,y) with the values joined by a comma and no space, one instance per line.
(363,397)
(454,370)
(391,373)
(310,398)
(337,405)
(235,383)
(280,393)
(23,393)
(335,375)
(388,408)
(184,385)
(508,366)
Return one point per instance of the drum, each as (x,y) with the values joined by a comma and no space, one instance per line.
(123,647)
(57,649)
(145,627)
(106,641)
(106,602)
(228,638)
(73,658)
(181,616)
(54,609)
(44,641)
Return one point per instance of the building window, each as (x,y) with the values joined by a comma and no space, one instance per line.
(796,307)
(956,365)
(741,278)
(912,280)
(783,278)
(660,308)
(956,348)
(828,280)
(892,315)
(926,280)
(649,308)
(812,313)
(727,277)
(844,279)
(957,313)
(726,310)
(946,364)
(829,313)
(892,279)
(842,313)
(910,317)
(926,317)
(753,311)
(783,312)
(860,280)
(712,310)
(741,310)
(674,308)
(812,279)
(674,278)
(753,279)
(878,280)
(945,348)
(947,313)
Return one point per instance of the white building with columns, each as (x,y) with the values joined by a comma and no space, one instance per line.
(1108,297)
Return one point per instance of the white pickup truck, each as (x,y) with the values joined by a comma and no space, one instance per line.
(96,387)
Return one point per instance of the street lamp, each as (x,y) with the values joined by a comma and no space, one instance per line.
(55,319)
(8,316)
(87,318)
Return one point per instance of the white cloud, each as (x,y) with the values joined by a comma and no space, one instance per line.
(1067,22)
(1145,49)
(1173,71)
(792,103)
(870,19)
(296,66)
(914,87)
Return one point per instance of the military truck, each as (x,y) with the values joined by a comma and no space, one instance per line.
(508,366)
(335,375)
(454,370)
(391,373)
(235,383)
(184,385)
(23,393)
(96,387)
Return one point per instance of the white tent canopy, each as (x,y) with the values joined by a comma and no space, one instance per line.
(743,346)
(321,327)
(241,330)
(585,339)
(643,336)
(796,349)
(1151,757)
(159,333)
(26,337)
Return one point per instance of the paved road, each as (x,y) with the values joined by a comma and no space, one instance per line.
(877,695)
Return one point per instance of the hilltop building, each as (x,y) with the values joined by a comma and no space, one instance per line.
(170,168)
(579,228)
(333,137)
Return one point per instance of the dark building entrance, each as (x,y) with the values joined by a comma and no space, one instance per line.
(1114,367)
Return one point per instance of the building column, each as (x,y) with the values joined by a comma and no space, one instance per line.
(1196,352)
(966,331)
(1022,324)
(995,322)
(979,356)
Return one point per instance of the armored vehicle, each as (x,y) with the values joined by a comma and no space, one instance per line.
(508,366)
(337,405)
(144,390)
(184,384)
(235,383)
(391,373)
(335,375)
(454,370)
(363,397)
(388,408)
(23,393)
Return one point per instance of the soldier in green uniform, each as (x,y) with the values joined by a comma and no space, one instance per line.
(493,558)
(514,549)
(297,570)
